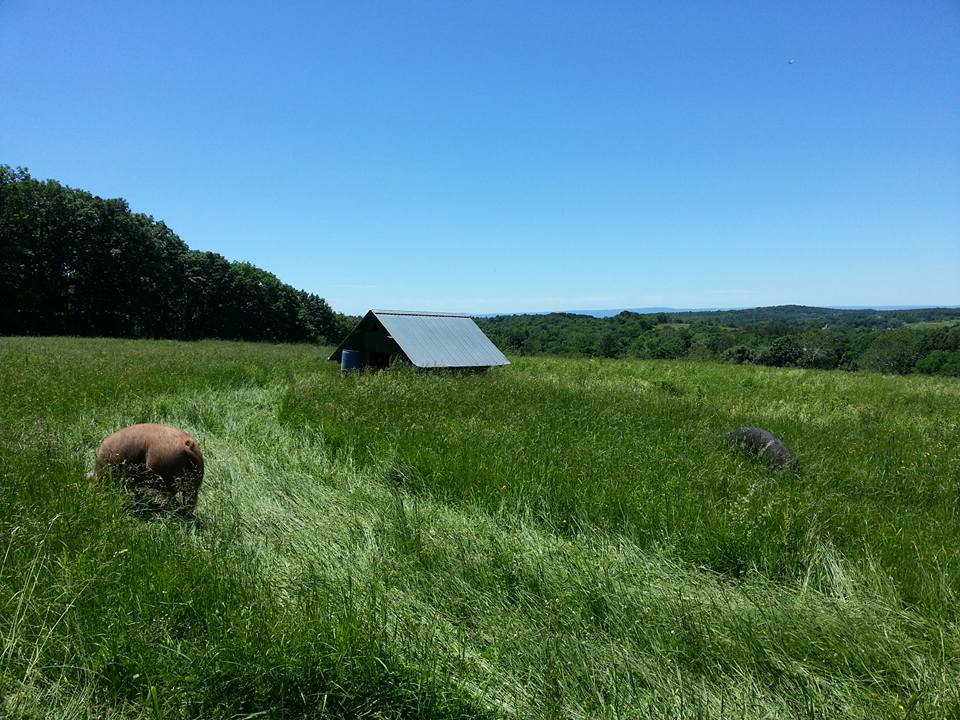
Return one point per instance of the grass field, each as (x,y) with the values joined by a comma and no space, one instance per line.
(558,538)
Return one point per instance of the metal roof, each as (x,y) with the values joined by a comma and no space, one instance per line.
(433,340)
(440,340)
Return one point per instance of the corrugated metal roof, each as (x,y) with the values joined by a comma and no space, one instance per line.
(440,339)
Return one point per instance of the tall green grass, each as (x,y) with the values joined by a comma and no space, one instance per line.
(556,539)
(638,449)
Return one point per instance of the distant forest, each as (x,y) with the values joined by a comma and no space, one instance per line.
(72,263)
(892,341)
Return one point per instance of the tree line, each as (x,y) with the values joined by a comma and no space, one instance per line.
(72,263)
(902,341)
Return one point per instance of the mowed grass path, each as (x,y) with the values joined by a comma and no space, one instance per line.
(558,538)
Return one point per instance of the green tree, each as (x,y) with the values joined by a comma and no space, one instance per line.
(782,352)
(739,354)
(892,352)
(940,362)
(818,350)
(74,263)
(663,343)
(706,344)
(608,345)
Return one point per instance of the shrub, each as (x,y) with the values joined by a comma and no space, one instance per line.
(892,352)
(940,362)
(782,352)
(740,354)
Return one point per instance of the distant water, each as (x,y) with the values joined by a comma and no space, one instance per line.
(607,313)
(644,311)
(647,310)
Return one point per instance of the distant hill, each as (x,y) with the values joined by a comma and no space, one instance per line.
(611,312)
(855,316)
(894,340)
(673,310)
(809,315)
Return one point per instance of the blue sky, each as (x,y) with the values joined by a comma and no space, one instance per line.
(495,157)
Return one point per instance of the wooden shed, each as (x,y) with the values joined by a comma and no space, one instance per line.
(424,339)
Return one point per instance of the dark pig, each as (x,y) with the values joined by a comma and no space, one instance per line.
(764,444)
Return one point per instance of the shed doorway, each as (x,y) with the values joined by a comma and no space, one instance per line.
(379,360)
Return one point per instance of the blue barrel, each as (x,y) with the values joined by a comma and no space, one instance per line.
(350,360)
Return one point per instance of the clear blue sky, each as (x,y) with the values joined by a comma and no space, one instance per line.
(511,156)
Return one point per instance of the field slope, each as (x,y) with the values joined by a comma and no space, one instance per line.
(558,538)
